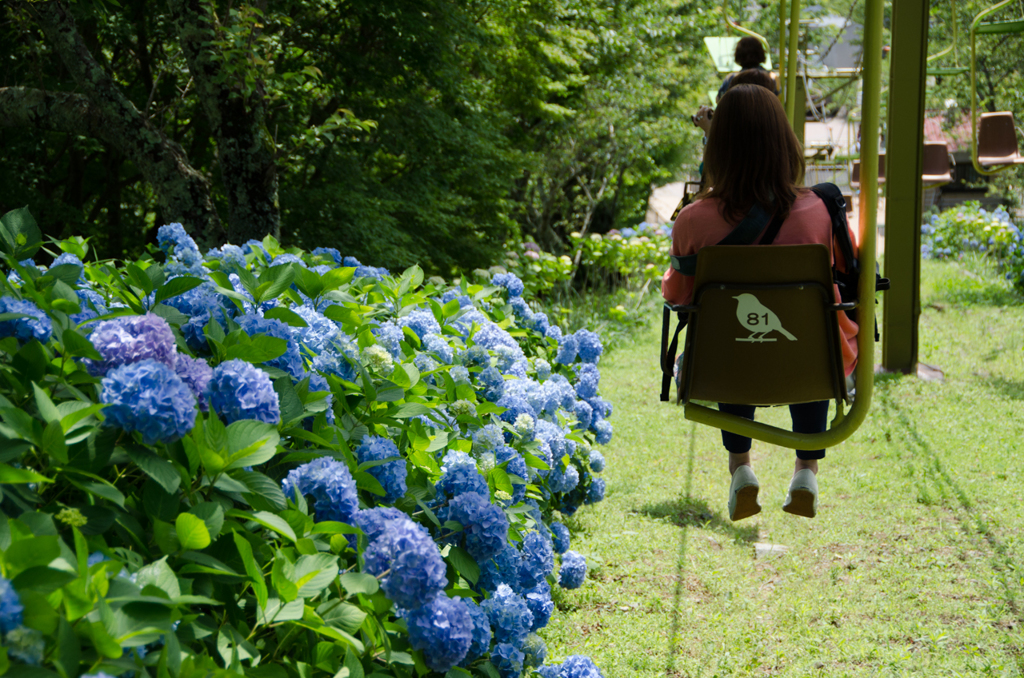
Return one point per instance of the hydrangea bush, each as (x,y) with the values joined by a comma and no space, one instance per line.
(283,464)
(970,228)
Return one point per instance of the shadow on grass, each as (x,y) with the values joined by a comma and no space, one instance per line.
(979,294)
(1014,390)
(694,512)
(935,480)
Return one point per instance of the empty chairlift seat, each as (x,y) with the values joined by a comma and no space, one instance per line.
(997,140)
(935,165)
(855,175)
(763,328)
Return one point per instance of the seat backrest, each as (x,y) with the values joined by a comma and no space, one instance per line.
(997,137)
(764,332)
(855,177)
(935,159)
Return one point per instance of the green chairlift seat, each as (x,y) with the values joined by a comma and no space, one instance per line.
(763,328)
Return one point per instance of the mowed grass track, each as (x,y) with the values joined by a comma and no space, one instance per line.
(914,566)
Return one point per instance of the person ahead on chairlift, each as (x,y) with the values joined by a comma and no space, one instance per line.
(749,55)
(753,156)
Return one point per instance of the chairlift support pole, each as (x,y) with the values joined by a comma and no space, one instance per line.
(843,426)
(903,205)
(794,36)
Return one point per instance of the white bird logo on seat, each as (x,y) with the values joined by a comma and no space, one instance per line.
(758,319)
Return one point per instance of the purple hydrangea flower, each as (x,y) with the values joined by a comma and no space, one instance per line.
(238,390)
(511,282)
(10,607)
(573,570)
(391,474)
(36,326)
(443,629)
(560,537)
(538,560)
(538,599)
(417,572)
(510,616)
(485,527)
(130,339)
(195,373)
(148,397)
(508,660)
(331,485)
(290,361)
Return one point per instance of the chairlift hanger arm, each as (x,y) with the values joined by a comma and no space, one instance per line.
(740,29)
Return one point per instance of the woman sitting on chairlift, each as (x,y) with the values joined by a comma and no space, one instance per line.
(753,156)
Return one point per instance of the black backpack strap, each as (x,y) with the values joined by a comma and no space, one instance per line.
(668,349)
(773,230)
(744,234)
(836,204)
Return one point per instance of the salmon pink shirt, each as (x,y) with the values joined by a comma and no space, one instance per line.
(701,224)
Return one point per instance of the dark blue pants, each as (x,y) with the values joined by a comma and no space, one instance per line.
(807,418)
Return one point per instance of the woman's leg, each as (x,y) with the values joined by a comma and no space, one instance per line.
(737,445)
(809,418)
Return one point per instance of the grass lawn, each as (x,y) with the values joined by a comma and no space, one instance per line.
(914,565)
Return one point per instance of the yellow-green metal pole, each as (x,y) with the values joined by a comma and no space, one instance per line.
(794,36)
(782,50)
(841,430)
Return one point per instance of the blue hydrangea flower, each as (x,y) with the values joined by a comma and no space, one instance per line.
(464,300)
(92,304)
(373,521)
(282,259)
(339,357)
(563,477)
(601,407)
(590,348)
(331,485)
(36,326)
(231,258)
(421,321)
(417,571)
(538,599)
(317,334)
(150,398)
(487,439)
(474,356)
(576,666)
(510,616)
(511,282)
(538,560)
(503,569)
(26,645)
(391,475)
(603,432)
(508,660)
(554,332)
(573,570)
(491,337)
(515,466)
(390,336)
(439,347)
(542,368)
(485,527)
(176,243)
(596,461)
(587,380)
(568,348)
(520,307)
(595,492)
(194,373)
(318,384)
(290,361)
(68,259)
(256,247)
(535,651)
(238,390)
(481,631)
(459,479)
(130,339)
(442,629)
(560,537)
(493,383)
(10,607)
(514,406)
(460,375)
(327,253)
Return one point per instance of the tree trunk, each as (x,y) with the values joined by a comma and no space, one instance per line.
(237,114)
(105,112)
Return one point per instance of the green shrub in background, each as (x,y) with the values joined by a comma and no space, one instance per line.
(283,464)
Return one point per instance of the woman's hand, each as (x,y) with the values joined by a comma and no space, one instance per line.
(702,118)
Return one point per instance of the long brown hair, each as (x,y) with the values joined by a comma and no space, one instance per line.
(752,155)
